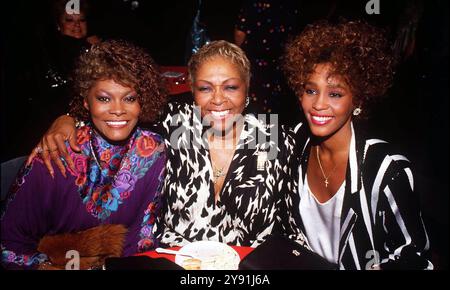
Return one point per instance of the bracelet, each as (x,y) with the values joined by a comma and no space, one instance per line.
(79,123)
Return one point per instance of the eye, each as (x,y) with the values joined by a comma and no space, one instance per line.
(204,89)
(335,95)
(310,91)
(130,99)
(103,99)
(231,88)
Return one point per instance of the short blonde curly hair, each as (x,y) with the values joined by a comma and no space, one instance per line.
(356,50)
(224,49)
(126,64)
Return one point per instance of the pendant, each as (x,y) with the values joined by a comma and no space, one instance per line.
(326,182)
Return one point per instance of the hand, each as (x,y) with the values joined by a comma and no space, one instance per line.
(93,39)
(48,266)
(52,145)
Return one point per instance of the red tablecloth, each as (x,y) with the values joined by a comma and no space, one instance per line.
(176,78)
(242,251)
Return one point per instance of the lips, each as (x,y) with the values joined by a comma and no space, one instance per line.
(116,124)
(220,114)
(321,119)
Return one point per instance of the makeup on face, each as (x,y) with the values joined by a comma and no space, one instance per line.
(114,109)
(220,91)
(327,102)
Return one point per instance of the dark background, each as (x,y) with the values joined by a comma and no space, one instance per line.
(415,117)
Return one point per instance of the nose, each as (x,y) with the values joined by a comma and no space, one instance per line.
(218,96)
(117,108)
(320,103)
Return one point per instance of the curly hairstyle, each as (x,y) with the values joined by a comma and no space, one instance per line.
(356,50)
(220,48)
(126,64)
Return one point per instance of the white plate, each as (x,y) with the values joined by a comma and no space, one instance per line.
(214,255)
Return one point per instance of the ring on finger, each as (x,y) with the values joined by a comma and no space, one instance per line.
(39,150)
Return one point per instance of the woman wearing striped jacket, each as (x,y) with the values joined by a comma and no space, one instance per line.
(355,198)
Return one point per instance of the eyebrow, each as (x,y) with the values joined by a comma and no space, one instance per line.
(239,79)
(337,86)
(126,92)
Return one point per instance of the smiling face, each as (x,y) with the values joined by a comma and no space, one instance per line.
(327,102)
(114,109)
(74,25)
(220,91)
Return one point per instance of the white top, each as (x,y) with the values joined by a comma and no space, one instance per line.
(322,221)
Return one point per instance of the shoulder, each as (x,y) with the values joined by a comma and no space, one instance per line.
(148,144)
(174,108)
(295,137)
(151,135)
(376,149)
(264,129)
(381,158)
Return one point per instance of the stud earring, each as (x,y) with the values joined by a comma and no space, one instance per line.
(357,111)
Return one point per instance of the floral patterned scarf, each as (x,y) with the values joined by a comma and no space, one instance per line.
(107,178)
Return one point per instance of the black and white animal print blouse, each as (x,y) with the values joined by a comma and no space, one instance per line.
(246,211)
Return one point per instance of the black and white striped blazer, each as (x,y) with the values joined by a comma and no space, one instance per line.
(381,223)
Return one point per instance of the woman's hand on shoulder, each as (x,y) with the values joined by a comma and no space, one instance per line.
(52,145)
(93,39)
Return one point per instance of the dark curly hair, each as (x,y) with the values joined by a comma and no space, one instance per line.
(356,50)
(126,64)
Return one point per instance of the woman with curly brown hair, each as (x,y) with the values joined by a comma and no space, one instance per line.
(107,205)
(356,199)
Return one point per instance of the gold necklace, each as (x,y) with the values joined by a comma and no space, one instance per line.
(321,169)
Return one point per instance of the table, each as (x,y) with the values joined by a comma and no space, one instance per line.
(176,79)
(242,251)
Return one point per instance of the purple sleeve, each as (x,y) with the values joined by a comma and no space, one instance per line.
(143,237)
(25,218)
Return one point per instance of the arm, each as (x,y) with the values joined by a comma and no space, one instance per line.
(52,146)
(165,234)
(25,217)
(401,222)
(288,214)
(170,238)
